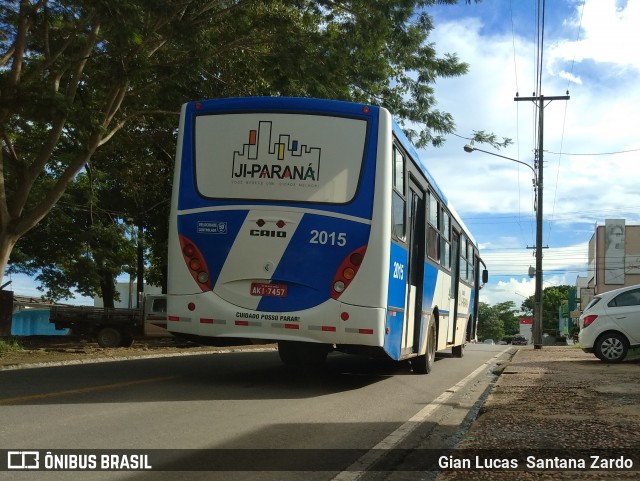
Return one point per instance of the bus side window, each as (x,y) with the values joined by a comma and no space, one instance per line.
(433,238)
(398,170)
(398,214)
(445,244)
(470,259)
(399,203)
(464,272)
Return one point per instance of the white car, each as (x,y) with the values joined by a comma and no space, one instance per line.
(610,324)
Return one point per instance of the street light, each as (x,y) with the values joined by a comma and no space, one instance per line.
(470,148)
(537,183)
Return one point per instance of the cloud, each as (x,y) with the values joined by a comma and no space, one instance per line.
(589,50)
(608,34)
(514,290)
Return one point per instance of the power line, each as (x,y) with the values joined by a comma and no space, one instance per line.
(594,154)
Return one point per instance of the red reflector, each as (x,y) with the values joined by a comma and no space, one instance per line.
(280,224)
(242,323)
(206,321)
(344,316)
(365,110)
(328,328)
(260,222)
(198,106)
(365,331)
(291,326)
(589,319)
(173,318)
(191,306)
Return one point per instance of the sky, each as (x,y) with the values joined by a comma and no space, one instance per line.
(591,142)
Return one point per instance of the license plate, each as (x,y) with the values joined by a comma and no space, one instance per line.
(269,290)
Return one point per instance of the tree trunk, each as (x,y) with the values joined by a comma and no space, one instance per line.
(108,288)
(7,242)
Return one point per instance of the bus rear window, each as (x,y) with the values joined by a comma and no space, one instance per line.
(273,156)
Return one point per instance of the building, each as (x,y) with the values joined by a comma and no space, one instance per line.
(614,260)
(526,328)
(128,295)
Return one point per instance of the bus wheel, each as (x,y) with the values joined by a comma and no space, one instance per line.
(109,337)
(423,364)
(302,353)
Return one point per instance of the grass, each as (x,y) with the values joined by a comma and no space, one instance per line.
(8,344)
(634,352)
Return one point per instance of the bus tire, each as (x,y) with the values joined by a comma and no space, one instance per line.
(424,363)
(109,337)
(302,354)
(287,352)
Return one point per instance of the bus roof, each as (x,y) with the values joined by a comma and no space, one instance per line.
(412,151)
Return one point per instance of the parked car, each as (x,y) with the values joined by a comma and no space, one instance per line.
(610,324)
(519,341)
(488,341)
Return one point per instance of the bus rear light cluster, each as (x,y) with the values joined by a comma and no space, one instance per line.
(347,271)
(195,262)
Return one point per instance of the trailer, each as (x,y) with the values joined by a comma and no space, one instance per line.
(113,327)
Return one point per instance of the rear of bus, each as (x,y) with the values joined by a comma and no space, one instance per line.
(272,230)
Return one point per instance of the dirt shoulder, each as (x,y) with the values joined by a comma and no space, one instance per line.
(37,351)
(556,402)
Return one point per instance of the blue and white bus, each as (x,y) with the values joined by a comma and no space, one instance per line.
(313,223)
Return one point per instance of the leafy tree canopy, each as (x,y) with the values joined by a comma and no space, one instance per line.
(552,298)
(496,322)
(90,91)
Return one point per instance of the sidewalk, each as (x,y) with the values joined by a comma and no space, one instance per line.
(562,400)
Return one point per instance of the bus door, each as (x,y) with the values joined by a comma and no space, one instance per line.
(415,270)
(455,282)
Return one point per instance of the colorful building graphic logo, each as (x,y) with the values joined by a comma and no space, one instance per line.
(282,159)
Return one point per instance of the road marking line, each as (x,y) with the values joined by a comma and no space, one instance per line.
(82,390)
(361,466)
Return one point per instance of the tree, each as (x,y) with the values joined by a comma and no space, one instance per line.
(552,298)
(490,326)
(506,312)
(75,75)
(76,247)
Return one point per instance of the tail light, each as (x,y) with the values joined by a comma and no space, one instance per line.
(196,263)
(347,271)
(588,320)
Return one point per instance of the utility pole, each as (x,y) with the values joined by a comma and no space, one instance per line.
(537,308)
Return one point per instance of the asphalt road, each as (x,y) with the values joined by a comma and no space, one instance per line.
(261,418)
